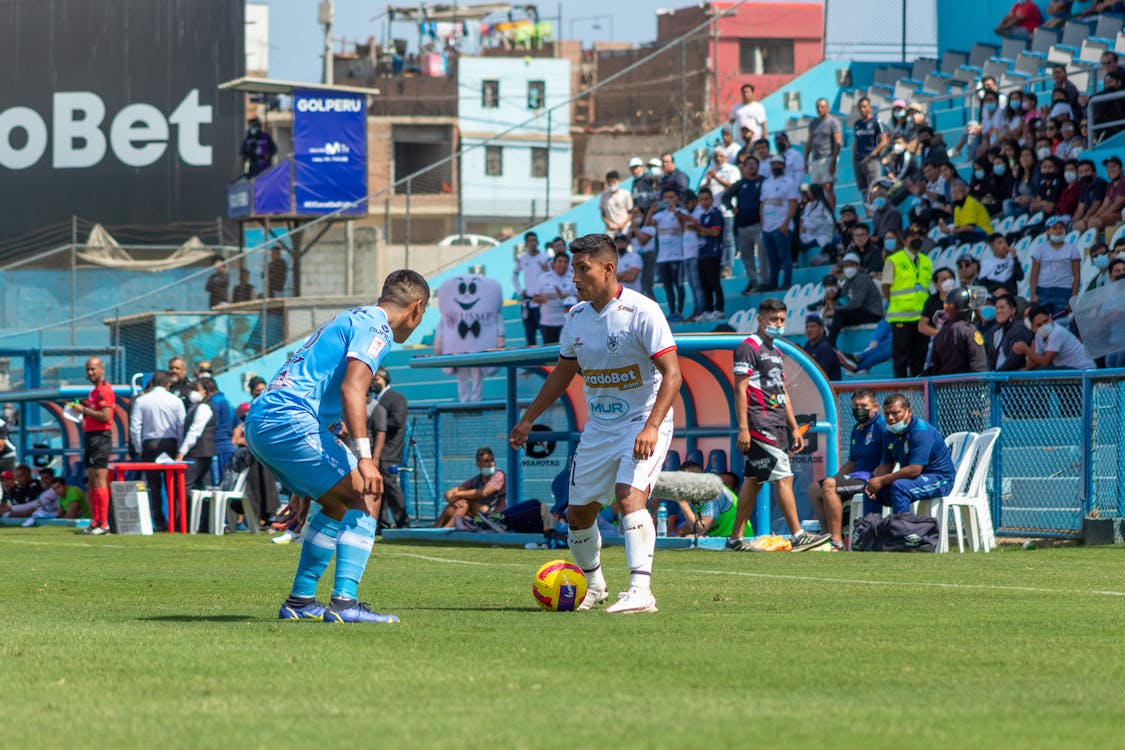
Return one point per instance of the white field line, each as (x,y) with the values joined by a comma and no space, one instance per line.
(917,584)
(780,576)
(775,576)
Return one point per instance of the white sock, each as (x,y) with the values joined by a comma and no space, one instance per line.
(640,542)
(586,547)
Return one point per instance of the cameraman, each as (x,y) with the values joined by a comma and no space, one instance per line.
(386,424)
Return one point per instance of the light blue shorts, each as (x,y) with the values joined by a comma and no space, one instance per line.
(301,453)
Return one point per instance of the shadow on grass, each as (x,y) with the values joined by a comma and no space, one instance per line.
(470,609)
(203,618)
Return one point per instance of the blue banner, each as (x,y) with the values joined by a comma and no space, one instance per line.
(330,148)
(238,198)
(272,190)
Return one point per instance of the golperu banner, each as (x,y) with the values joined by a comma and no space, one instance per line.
(330,148)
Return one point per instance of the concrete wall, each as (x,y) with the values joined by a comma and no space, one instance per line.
(963,23)
(325,269)
(511,194)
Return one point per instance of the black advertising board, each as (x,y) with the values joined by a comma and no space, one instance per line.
(110,110)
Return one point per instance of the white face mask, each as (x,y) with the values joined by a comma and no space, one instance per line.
(195,397)
(1070,176)
(947,285)
(1056,239)
(898,148)
(1043,153)
(850,272)
(1045,330)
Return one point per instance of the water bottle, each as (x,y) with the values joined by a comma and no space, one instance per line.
(662,521)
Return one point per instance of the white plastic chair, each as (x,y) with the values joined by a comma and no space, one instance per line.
(972,500)
(220,506)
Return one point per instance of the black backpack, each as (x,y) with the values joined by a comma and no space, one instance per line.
(898,532)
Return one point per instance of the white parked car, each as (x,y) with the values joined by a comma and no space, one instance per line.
(473,240)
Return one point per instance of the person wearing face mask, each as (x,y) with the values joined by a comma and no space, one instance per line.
(933,312)
(1099,258)
(904,280)
(794,159)
(931,148)
(927,470)
(1004,332)
(1054,346)
(865,452)
(483,492)
(1109,213)
(198,442)
(258,149)
(779,206)
(999,269)
(886,222)
(1048,187)
(1023,184)
(1055,269)
(767,428)
(993,121)
(899,165)
(644,185)
(958,346)
(971,222)
(820,349)
(863,302)
(386,423)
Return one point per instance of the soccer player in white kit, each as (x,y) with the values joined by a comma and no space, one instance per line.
(622,344)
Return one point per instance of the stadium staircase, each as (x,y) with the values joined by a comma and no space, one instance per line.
(943,85)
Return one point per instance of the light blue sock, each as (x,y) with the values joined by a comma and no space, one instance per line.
(353,547)
(316,552)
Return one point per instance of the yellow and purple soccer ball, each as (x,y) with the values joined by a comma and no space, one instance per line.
(559,586)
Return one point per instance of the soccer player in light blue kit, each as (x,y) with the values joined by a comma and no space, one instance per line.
(292,426)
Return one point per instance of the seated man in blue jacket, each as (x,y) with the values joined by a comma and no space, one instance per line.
(925,467)
(865,454)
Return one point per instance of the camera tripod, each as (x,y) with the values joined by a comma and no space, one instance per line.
(411,465)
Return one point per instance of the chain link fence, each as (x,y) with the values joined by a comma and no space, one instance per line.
(443,442)
(1061,454)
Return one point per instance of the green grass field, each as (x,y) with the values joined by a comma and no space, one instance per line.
(170,642)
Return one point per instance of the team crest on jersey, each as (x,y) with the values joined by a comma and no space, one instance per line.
(577,342)
(613,343)
(870,435)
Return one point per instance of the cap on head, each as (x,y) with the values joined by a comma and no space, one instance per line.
(899,103)
(636,161)
(852,258)
(1055,220)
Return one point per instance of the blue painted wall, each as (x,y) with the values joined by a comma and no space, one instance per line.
(963,23)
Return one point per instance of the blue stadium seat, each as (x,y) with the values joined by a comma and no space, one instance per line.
(717,461)
(672,461)
(696,456)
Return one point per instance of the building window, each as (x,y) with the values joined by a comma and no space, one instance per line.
(490,94)
(765,56)
(536,94)
(538,162)
(494,161)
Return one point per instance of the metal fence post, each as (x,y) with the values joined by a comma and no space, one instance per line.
(1087,456)
(512,413)
(406,251)
(547,196)
(437,464)
(995,417)
(931,401)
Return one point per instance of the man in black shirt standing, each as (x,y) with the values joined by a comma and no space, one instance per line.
(746,197)
(386,423)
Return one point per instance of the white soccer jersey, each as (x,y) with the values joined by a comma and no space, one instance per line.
(551,285)
(627,262)
(532,267)
(615,349)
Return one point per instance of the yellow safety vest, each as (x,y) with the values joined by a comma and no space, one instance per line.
(909,288)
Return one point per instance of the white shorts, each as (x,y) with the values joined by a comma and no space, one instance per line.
(605,458)
(820,171)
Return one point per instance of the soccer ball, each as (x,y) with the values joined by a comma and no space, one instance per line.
(559,586)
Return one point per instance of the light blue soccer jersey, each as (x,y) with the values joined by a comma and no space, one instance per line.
(312,377)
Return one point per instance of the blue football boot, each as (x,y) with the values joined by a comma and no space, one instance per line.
(314,610)
(353,611)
